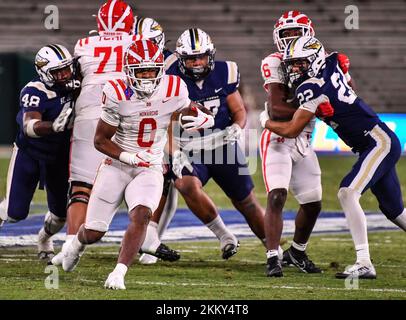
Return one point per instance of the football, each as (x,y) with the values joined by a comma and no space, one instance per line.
(190,111)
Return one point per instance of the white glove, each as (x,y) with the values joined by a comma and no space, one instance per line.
(179,161)
(201,121)
(263,118)
(143,158)
(60,122)
(233,133)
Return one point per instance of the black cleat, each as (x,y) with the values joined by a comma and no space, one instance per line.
(273,267)
(229,250)
(164,253)
(299,259)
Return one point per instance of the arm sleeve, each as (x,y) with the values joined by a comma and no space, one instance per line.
(271,70)
(310,96)
(32,99)
(233,77)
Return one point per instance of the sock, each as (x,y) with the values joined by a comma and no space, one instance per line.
(121,268)
(271,254)
(354,214)
(77,245)
(363,253)
(400,220)
(299,246)
(218,227)
(151,242)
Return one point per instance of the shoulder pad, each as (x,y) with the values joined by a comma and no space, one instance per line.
(232,72)
(116,90)
(38,88)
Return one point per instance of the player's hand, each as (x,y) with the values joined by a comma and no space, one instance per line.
(179,161)
(145,158)
(60,122)
(200,121)
(344,62)
(233,133)
(324,110)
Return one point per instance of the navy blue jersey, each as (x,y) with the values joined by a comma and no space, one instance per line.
(212,92)
(35,96)
(352,118)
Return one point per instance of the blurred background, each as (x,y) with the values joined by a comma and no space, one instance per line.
(241,31)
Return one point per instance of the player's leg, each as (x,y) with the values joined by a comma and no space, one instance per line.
(107,195)
(152,248)
(84,161)
(276,171)
(22,179)
(305,185)
(388,192)
(190,187)
(371,166)
(56,186)
(142,195)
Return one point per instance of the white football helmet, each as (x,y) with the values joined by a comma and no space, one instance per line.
(150,29)
(49,60)
(303,58)
(291,20)
(194,43)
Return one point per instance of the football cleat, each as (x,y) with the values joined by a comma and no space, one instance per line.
(164,253)
(71,259)
(229,247)
(273,267)
(115,281)
(45,246)
(147,259)
(293,257)
(358,270)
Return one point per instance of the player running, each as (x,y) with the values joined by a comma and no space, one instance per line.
(322,89)
(132,132)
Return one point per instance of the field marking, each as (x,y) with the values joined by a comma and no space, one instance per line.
(205,284)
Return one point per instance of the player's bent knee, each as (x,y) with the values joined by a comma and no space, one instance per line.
(347,194)
(277,197)
(310,196)
(91,236)
(187,187)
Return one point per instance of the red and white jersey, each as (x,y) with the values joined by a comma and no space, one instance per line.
(271,69)
(142,124)
(101,59)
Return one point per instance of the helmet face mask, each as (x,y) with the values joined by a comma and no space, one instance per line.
(303,58)
(195,44)
(144,67)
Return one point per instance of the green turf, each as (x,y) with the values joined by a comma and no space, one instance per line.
(202,274)
(333,170)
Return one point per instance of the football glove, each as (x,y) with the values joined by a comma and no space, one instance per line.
(61,121)
(201,121)
(143,158)
(233,133)
(179,161)
(324,110)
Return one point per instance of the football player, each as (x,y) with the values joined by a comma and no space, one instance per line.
(41,149)
(289,164)
(215,85)
(323,89)
(132,132)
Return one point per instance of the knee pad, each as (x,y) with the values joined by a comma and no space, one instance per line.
(314,195)
(346,195)
(52,223)
(78,196)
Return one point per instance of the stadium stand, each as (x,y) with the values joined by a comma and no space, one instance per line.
(242,31)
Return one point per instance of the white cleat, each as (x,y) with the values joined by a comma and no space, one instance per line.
(358,270)
(148,259)
(71,259)
(57,259)
(45,246)
(115,281)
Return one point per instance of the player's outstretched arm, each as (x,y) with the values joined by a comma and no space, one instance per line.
(292,128)
(236,105)
(34,127)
